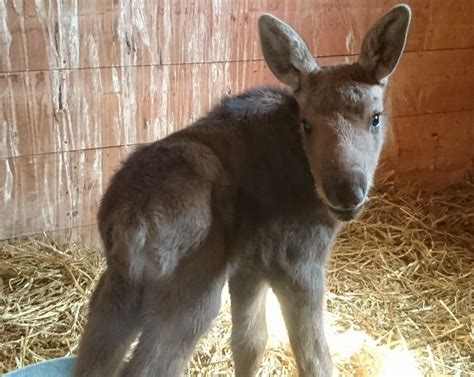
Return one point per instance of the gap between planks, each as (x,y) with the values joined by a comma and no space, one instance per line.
(12,72)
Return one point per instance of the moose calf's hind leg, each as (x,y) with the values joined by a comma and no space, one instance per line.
(112,324)
(176,313)
(249,330)
(173,326)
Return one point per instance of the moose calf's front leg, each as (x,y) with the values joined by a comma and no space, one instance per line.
(249,329)
(301,301)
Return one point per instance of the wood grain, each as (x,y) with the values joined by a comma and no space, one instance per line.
(54,191)
(52,111)
(83,82)
(46,35)
(449,25)
(434,144)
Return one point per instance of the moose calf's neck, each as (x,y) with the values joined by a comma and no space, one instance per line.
(264,171)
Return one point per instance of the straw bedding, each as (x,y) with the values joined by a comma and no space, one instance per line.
(399,285)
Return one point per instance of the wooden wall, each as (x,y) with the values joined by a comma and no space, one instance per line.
(83,81)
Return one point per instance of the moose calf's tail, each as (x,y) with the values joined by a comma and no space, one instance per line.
(124,250)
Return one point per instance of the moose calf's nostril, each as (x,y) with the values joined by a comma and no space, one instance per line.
(360,194)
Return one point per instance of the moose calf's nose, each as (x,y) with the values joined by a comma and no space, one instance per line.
(346,194)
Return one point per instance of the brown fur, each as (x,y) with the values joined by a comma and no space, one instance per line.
(243,194)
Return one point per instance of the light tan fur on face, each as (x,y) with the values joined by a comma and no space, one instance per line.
(339,102)
(340,107)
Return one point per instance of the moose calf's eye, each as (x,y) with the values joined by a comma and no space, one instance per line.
(375,123)
(306,127)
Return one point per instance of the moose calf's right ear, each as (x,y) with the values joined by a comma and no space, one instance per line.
(284,50)
(384,43)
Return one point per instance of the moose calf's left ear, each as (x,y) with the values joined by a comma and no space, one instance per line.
(384,43)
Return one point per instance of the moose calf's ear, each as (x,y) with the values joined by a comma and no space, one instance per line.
(284,51)
(384,43)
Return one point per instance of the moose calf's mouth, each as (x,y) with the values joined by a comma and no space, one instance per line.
(345,215)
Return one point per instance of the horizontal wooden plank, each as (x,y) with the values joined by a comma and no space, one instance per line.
(432,144)
(45,112)
(26,114)
(99,108)
(432,82)
(54,192)
(53,34)
(64,7)
(450,25)
(431,179)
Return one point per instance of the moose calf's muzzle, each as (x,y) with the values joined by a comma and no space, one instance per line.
(346,196)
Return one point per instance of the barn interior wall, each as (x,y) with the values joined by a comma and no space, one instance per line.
(83,82)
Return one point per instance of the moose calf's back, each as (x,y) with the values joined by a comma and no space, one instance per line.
(236,168)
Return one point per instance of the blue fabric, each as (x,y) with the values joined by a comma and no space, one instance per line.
(61,367)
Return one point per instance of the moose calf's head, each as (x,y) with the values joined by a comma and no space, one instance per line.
(341,106)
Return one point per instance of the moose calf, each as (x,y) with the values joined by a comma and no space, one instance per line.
(252,193)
